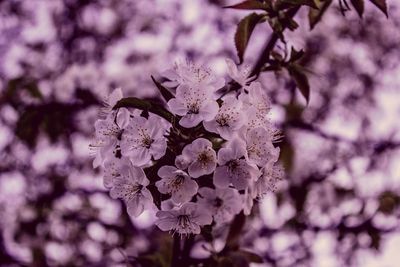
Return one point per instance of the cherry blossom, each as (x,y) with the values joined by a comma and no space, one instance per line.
(271,174)
(233,167)
(257,98)
(131,187)
(111,101)
(240,76)
(177,183)
(224,203)
(113,168)
(108,136)
(190,74)
(259,147)
(182,162)
(201,156)
(228,119)
(128,144)
(143,139)
(186,220)
(194,105)
(256,106)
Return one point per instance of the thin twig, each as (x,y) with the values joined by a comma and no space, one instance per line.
(264,56)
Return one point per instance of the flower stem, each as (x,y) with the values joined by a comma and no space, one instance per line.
(234,234)
(187,247)
(176,251)
(264,56)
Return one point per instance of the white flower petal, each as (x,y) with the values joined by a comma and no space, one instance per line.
(190,120)
(221,177)
(209,110)
(177,107)
(166,171)
(123,117)
(158,148)
(135,207)
(114,97)
(196,170)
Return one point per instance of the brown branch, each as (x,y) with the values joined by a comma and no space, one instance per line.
(176,251)
(264,56)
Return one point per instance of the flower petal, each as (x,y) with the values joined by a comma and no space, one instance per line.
(190,120)
(209,110)
(221,177)
(166,171)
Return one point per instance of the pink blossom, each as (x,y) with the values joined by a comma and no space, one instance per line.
(186,220)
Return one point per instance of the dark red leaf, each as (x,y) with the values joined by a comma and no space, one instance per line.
(381,4)
(243,32)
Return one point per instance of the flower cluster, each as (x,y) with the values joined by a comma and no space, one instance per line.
(209,163)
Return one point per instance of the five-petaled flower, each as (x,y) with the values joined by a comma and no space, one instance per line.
(111,101)
(186,220)
(143,139)
(260,149)
(193,75)
(177,183)
(113,168)
(228,119)
(233,167)
(271,174)
(201,156)
(131,187)
(108,136)
(240,76)
(223,203)
(194,105)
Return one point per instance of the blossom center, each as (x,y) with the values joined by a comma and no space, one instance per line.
(223,120)
(147,141)
(132,190)
(177,182)
(218,202)
(183,221)
(233,165)
(112,131)
(204,158)
(252,149)
(193,108)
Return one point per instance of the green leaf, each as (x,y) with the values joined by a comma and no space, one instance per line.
(301,80)
(243,32)
(167,95)
(381,4)
(315,15)
(251,5)
(358,6)
(145,105)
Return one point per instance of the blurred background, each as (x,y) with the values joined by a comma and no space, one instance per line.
(339,203)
